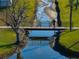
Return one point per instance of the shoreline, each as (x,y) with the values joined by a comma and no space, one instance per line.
(7,53)
(65,51)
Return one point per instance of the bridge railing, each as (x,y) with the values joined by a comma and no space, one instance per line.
(43,28)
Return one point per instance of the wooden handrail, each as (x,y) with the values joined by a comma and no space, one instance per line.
(43,28)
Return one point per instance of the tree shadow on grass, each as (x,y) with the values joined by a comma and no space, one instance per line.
(7,53)
(8,45)
(74,44)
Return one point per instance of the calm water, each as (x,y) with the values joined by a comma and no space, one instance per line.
(39,49)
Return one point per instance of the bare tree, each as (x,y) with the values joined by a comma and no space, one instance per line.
(15,16)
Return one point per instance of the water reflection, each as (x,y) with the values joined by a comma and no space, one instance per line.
(19,56)
(37,50)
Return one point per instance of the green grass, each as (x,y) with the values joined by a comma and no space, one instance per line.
(69,39)
(65,13)
(6,37)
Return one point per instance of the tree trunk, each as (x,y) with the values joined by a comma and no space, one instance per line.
(76,4)
(17,38)
(71,6)
(59,22)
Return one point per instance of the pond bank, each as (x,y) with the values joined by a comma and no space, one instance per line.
(7,42)
(63,50)
(7,53)
(7,39)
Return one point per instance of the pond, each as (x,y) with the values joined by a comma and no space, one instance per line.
(39,49)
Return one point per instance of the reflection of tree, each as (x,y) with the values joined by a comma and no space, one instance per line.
(19,55)
(20,47)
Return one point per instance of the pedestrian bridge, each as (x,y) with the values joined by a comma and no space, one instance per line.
(42,31)
(42,28)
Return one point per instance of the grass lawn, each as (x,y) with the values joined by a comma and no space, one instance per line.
(65,13)
(70,39)
(7,37)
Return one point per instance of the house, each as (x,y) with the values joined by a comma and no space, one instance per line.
(5,3)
